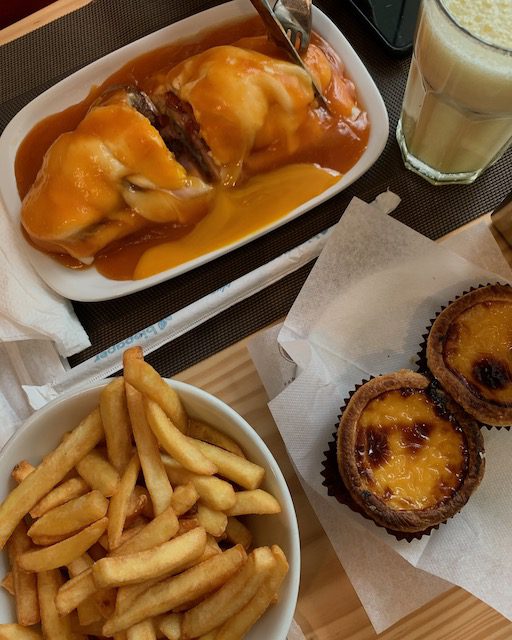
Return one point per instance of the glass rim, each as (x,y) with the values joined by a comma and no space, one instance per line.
(496,47)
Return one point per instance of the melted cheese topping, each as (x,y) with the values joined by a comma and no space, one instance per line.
(409,455)
(478,350)
(245,101)
(105,180)
(232,214)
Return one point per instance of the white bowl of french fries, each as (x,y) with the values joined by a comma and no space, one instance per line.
(141,508)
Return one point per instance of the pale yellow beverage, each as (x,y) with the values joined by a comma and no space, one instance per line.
(457,113)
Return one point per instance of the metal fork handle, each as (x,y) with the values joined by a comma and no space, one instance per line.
(278,35)
(295,17)
(299,10)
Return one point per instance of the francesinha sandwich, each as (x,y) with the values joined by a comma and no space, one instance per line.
(236,108)
(203,125)
(106,179)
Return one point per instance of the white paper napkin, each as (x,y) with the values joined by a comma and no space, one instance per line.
(363,311)
(28,362)
(28,308)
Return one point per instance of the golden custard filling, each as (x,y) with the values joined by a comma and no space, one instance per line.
(478,350)
(408,454)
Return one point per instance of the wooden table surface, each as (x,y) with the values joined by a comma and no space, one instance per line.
(328,607)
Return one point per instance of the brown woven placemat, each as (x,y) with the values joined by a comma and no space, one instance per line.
(34,62)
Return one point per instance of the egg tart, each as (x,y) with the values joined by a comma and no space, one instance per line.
(469,351)
(409,457)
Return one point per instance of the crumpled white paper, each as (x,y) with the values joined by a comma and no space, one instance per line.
(363,311)
(28,308)
(27,362)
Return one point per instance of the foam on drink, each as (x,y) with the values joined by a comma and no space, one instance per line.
(490,20)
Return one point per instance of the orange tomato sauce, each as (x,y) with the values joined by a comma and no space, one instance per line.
(237,212)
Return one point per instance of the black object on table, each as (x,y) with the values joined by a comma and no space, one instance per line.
(34,62)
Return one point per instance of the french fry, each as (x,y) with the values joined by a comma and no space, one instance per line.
(240,623)
(103,599)
(80,564)
(71,516)
(8,583)
(184,498)
(212,544)
(85,631)
(98,473)
(17,632)
(232,467)
(207,433)
(141,631)
(128,594)
(54,625)
(49,473)
(156,532)
(237,533)
(256,501)
(68,490)
(106,601)
(62,553)
(116,423)
(172,592)
(156,626)
(170,626)
(209,636)
(125,596)
(25,585)
(140,503)
(118,508)
(211,549)
(160,561)
(75,591)
(21,471)
(46,541)
(127,534)
(187,524)
(175,442)
(153,469)
(134,526)
(145,379)
(137,505)
(234,594)
(216,493)
(88,612)
(214,522)
(133,353)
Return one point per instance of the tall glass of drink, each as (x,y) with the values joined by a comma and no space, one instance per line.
(457,113)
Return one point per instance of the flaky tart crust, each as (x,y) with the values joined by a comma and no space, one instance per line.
(403,507)
(469,351)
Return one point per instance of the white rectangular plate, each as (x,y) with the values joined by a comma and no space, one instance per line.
(89,285)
